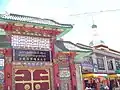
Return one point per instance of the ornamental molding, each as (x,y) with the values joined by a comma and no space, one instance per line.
(106,53)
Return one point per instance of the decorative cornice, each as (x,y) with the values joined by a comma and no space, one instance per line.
(106,53)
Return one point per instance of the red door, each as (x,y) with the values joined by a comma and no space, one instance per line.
(32,79)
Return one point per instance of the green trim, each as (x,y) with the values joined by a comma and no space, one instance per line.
(82,54)
(66,29)
(63,33)
(47,25)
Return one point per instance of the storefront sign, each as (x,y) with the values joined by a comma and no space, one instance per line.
(87,68)
(1,62)
(32,55)
(87,65)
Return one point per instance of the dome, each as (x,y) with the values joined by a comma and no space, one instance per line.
(95,43)
(94,26)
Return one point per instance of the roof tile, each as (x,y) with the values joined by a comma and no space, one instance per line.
(33,20)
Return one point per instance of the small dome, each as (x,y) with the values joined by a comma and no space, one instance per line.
(94,26)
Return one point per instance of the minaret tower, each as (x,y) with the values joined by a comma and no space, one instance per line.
(96,38)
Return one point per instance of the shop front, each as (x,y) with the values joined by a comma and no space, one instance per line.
(114,80)
(95,80)
(86,70)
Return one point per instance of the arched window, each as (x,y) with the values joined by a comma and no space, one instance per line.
(110,65)
(100,63)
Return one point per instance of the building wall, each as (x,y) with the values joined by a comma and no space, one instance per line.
(106,57)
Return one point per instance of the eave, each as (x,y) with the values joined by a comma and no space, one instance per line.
(35,21)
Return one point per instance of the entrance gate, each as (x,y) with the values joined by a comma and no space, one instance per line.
(32,79)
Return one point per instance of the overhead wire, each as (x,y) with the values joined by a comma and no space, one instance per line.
(90,13)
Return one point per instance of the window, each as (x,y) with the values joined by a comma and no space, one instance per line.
(117,62)
(110,65)
(100,63)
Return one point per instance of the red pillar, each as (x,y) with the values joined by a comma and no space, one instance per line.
(56,77)
(8,77)
(8,70)
(55,66)
(73,76)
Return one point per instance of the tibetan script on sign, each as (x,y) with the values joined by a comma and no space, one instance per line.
(32,55)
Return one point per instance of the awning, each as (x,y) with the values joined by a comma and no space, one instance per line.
(94,75)
(114,75)
(87,75)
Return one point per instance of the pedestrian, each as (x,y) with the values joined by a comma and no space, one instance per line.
(88,87)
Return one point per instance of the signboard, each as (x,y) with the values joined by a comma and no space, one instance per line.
(87,65)
(1,62)
(31,55)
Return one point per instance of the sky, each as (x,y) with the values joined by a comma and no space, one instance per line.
(60,10)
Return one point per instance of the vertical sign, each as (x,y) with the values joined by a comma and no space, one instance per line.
(1,62)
